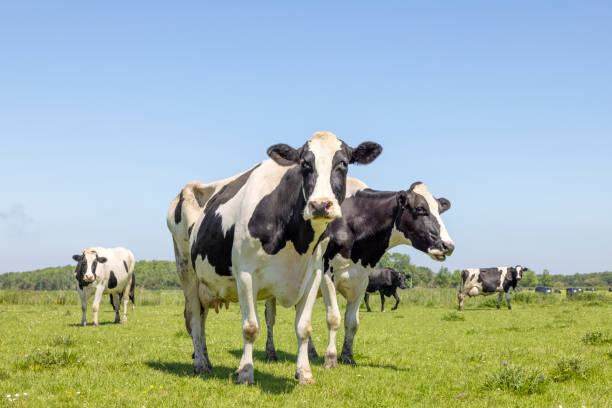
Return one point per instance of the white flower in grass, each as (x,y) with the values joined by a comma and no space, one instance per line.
(25,394)
(16,395)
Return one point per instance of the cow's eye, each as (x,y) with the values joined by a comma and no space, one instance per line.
(420,211)
(342,165)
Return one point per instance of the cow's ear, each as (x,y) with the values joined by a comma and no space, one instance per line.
(283,154)
(444,204)
(102,259)
(365,153)
(402,198)
(77,257)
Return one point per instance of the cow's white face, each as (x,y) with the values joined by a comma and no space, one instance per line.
(519,271)
(87,264)
(420,222)
(323,163)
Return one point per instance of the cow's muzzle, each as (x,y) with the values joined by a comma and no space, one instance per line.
(324,210)
(442,251)
(88,278)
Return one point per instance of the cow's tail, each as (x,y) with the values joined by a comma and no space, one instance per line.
(464,275)
(132,287)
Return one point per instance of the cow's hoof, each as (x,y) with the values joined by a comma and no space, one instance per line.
(306,380)
(246,376)
(95,324)
(124,320)
(331,361)
(348,360)
(382,311)
(202,368)
(83,324)
(271,357)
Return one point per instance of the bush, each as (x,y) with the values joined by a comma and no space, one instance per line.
(517,380)
(44,359)
(572,368)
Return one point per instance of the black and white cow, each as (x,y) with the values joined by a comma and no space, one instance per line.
(372,223)
(487,281)
(120,297)
(386,281)
(104,271)
(257,235)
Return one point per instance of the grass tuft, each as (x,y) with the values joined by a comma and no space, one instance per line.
(4,375)
(517,380)
(572,368)
(66,341)
(39,360)
(596,338)
(454,317)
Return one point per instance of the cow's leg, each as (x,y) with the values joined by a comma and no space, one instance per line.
(250,326)
(460,297)
(397,300)
(270,321)
(508,300)
(126,301)
(366,297)
(116,302)
(328,290)
(312,351)
(83,308)
(195,322)
(303,327)
(499,299)
(382,301)
(96,303)
(351,324)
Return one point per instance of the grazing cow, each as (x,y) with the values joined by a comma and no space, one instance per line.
(104,270)
(487,281)
(257,235)
(372,223)
(386,281)
(120,297)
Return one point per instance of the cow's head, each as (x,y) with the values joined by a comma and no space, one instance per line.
(399,279)
(517,272)
(419,221)
(87,263)
(323,162)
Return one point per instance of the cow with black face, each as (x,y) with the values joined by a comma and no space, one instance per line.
(386,281)
(372,223)
(104,271)
(487,281)
(255,235)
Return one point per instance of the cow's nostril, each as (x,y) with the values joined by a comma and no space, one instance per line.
(448,247)
(328,205)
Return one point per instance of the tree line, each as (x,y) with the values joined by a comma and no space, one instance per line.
(155,275)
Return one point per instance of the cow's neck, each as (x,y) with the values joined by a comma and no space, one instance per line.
(372,222)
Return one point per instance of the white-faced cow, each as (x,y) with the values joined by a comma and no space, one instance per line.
(104,271)
(372,223)
(487,281)
(386,281)
(255,236)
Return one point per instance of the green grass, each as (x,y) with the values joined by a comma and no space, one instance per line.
(547,351)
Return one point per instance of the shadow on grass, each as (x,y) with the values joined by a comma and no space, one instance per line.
(266,382)
(478,309)
(92,325)
(281,356)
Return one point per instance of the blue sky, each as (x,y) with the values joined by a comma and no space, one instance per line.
(108,109)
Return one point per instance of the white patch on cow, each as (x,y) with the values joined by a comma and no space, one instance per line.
(434,209)
(324,146)
(354,185)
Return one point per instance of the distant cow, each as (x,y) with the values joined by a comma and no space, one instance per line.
(132,287)
(486,281)
(104,271)
(386,281)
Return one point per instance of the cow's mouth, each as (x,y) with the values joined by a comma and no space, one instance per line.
(436,254)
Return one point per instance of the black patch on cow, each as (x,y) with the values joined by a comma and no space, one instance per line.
(112,280)
(126,267)
(278,216)
(464,275)
(80,270)
(178,210)
(490,279)
(211,243)
(190,229)
(308,171)
(132,287)
(338,173)
(363,232)
(510,281)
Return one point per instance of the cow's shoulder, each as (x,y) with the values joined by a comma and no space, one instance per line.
(277,217)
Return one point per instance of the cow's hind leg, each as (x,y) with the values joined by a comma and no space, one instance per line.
(250,326)
(195,322)
(366,297)
(382,301)
(397,300)
(116,302)
(460,297)
(508,300)
(499,299)
(126,300)
(270,321)
(351,324)
(328,290)
(303,327)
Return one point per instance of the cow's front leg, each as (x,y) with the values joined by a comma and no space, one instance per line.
(83,309)
(499,299)
(366,297)
(382,301)
(96,303)
(397,300)
(250,326)
(508,300)
(460,297)
(270,321)
(328,290)
(126,300)
(303,327)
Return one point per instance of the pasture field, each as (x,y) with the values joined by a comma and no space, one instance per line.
(547,352)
